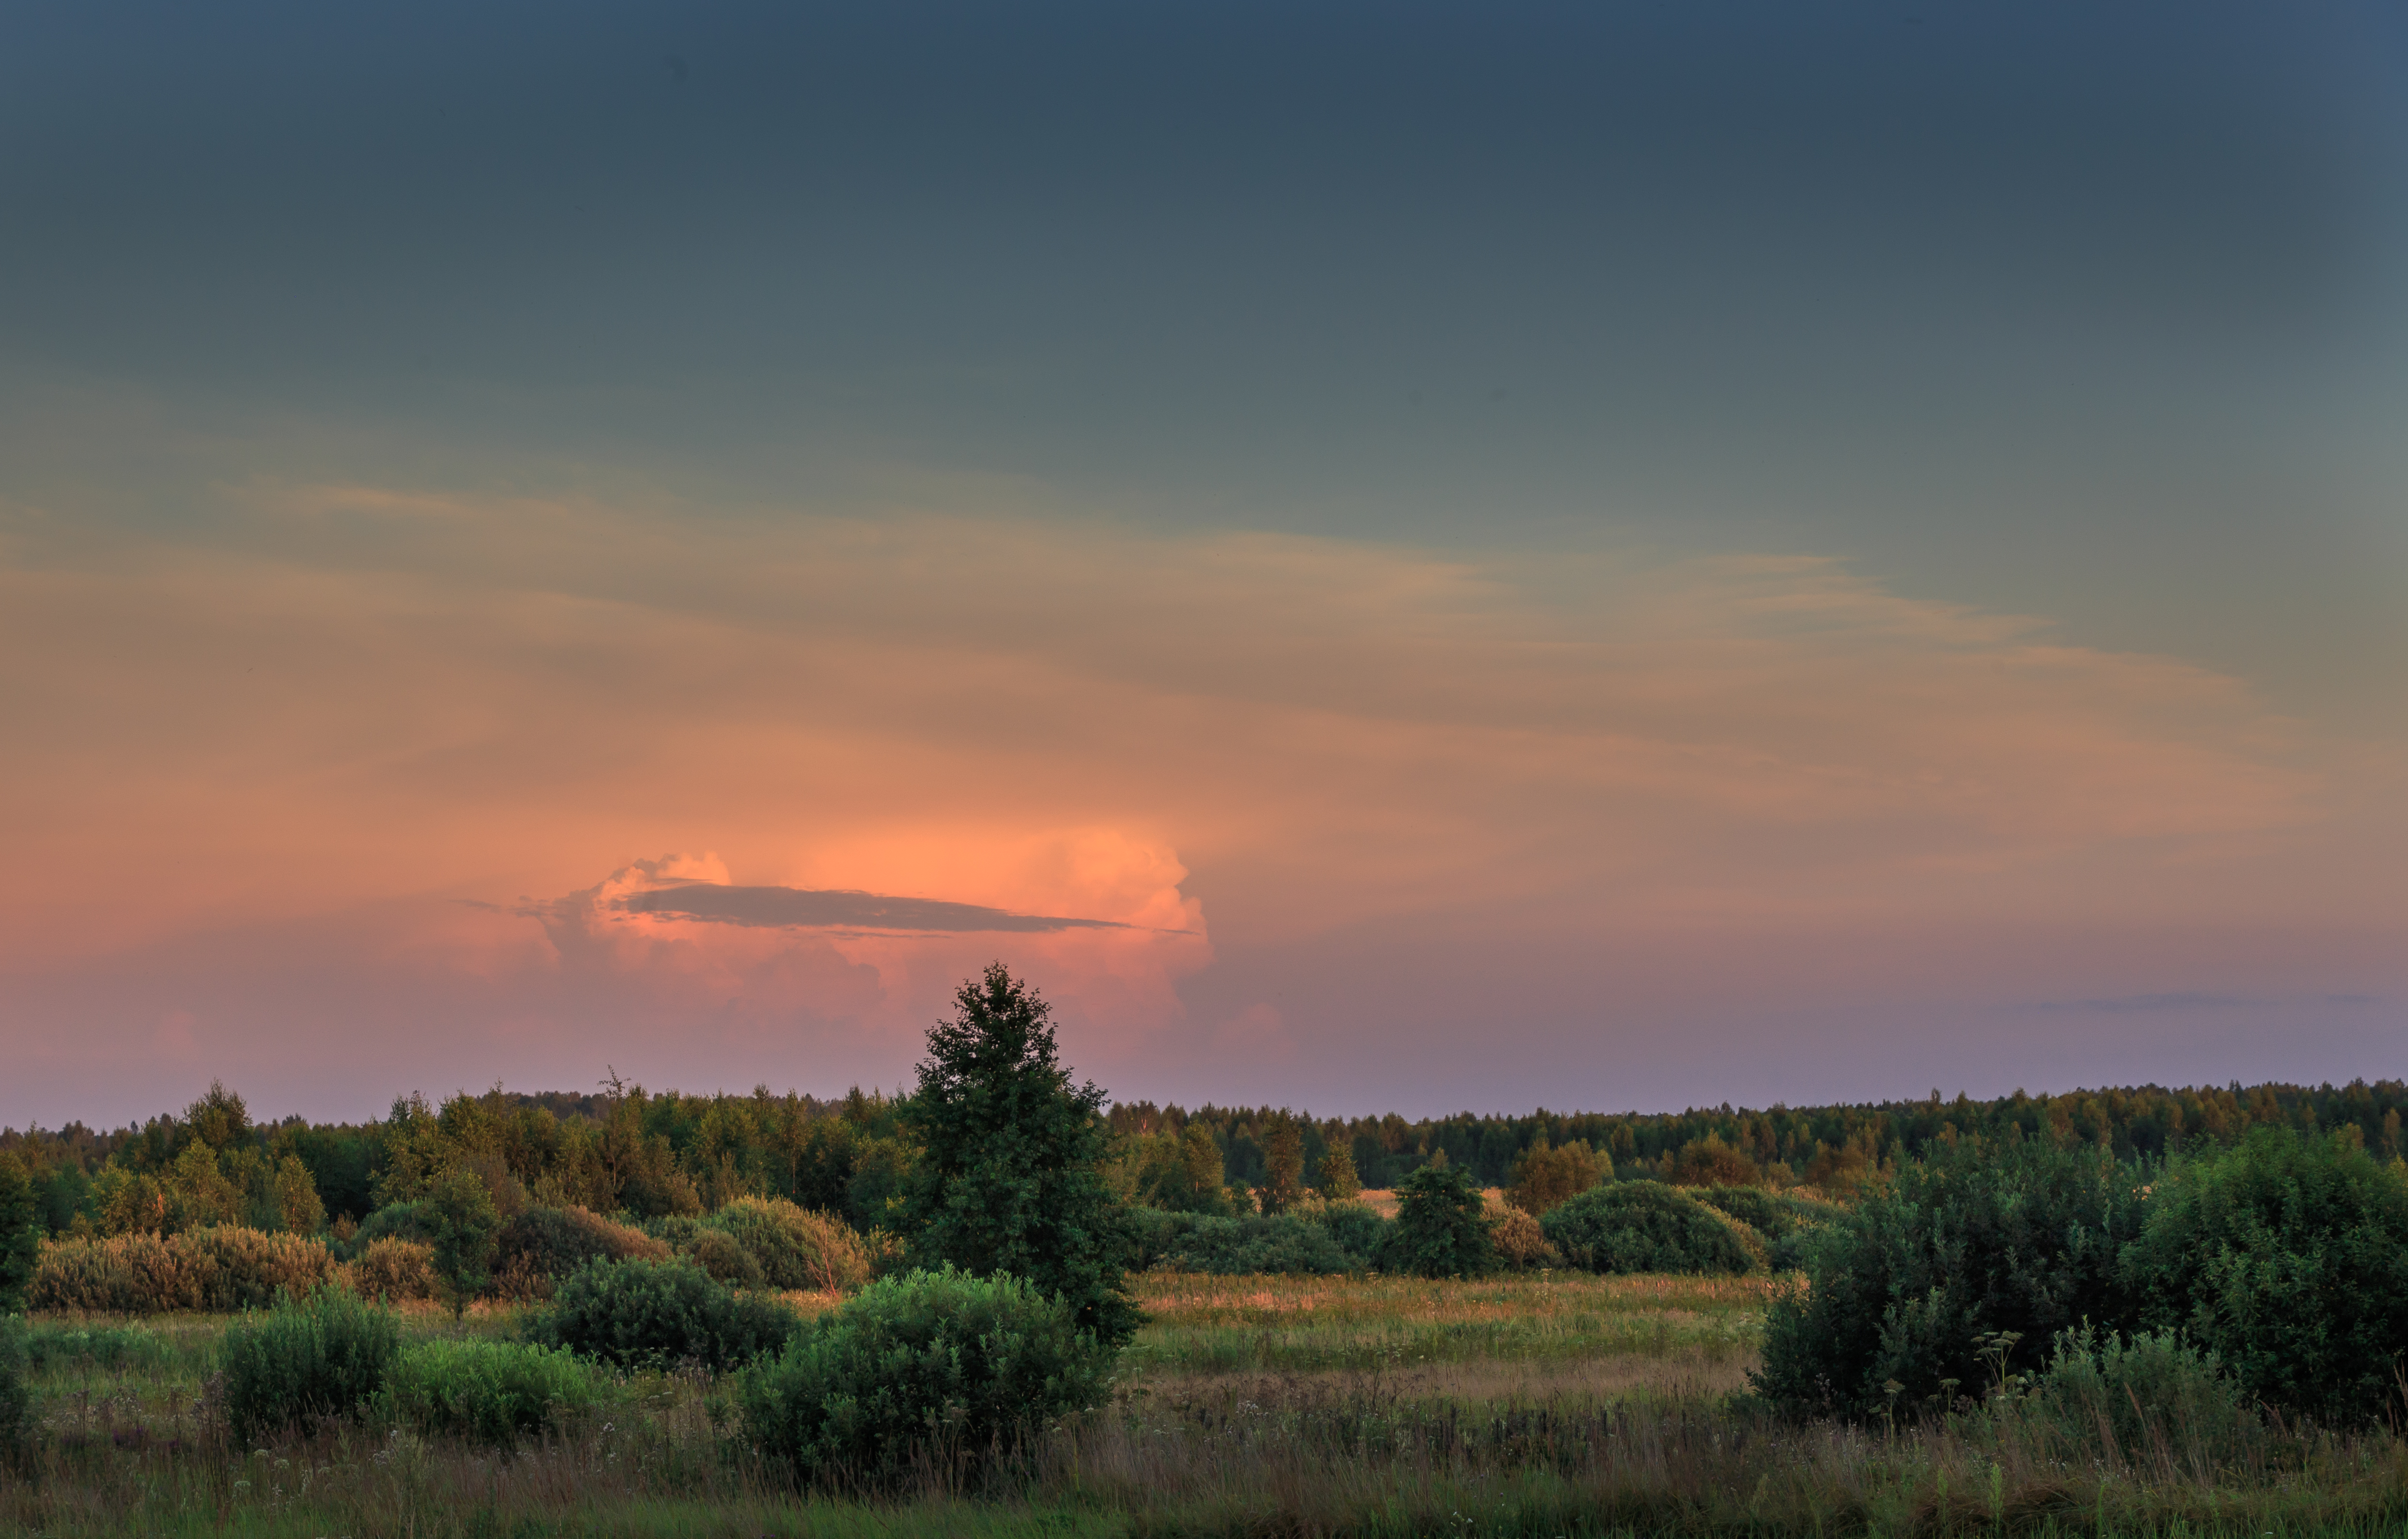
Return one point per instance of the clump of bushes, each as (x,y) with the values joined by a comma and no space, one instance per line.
(641,1314)
(793,1247)
(1646,1226)
(395,1269)
(300,1364)
(490,1392)
(927,1370)
(1440,1229)
(1358,1230)
(542,1245)
(394,1221)
(2148,1397)
(225,1267)
(1786,1223)
(2022,1238)
(1520,1240)
(2288,1257)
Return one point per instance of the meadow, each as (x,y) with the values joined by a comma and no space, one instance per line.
(1549,1403)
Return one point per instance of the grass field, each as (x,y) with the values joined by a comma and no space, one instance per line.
(1544,1405)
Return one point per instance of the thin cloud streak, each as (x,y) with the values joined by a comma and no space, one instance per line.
(798,908)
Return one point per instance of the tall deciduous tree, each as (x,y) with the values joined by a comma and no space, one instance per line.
(20,1238)
(1008,1180)
(1284,1165)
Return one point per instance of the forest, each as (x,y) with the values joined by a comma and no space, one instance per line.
(657,1153)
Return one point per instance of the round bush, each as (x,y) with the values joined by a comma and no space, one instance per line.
(2016,1237)
(927,1370)
(395,1269)
(1360,1231)
(1521,1241)
(1283,1243)
(722,1255)
(543,1244)
(490,1392)
(1645,1226)
(2288,1257)
(794,1247)
(657,1313)
(299,1364)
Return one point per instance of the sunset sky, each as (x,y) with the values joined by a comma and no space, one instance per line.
(1390,556)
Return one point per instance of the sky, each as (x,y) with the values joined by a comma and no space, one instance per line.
(1408,557)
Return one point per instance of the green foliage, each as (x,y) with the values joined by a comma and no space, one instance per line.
(17,1409)
(1283,1167)
(1338,1181)
(299,1364)
(491,1392)
(1288,1243)
(1006,1179)
(552,1242)
(1709,1161)
(394,1221)
(1360,1231)
(789,1247)
(1440,1229)
(2146,1396)
(1645,1226)
(927,1370)
(1787,1224)
(2021,1238)
(1546,1178)
(1521,1241)
(21,1234)
(2287,1257)
(458,1212)
(657,1314)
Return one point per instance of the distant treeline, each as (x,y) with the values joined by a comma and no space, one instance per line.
(653,1154)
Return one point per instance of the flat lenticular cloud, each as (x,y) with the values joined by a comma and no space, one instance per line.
(800,908)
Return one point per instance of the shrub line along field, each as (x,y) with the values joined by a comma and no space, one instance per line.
(1995,1334)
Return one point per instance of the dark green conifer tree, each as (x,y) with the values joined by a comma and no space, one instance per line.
(1006,1180)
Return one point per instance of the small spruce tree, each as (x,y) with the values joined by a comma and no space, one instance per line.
(1441,1229)
(1008,1177)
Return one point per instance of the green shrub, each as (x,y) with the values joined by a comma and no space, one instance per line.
(793,1247)
(1520,1240)
(299,1364)
(490,1392)
(396,1221)
(1645,1226)
(2147,1398)
(1153,1234)
(1286,1243)
(2288,1257)
(395,1269)
(1358,1230)
(543,1244)
(16,1399)
(930,1369)
(657,1314)
(462,1224)
(225,1267)
(1787,1224)
(1440,1229)
(722,1255)
(2018,1237)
